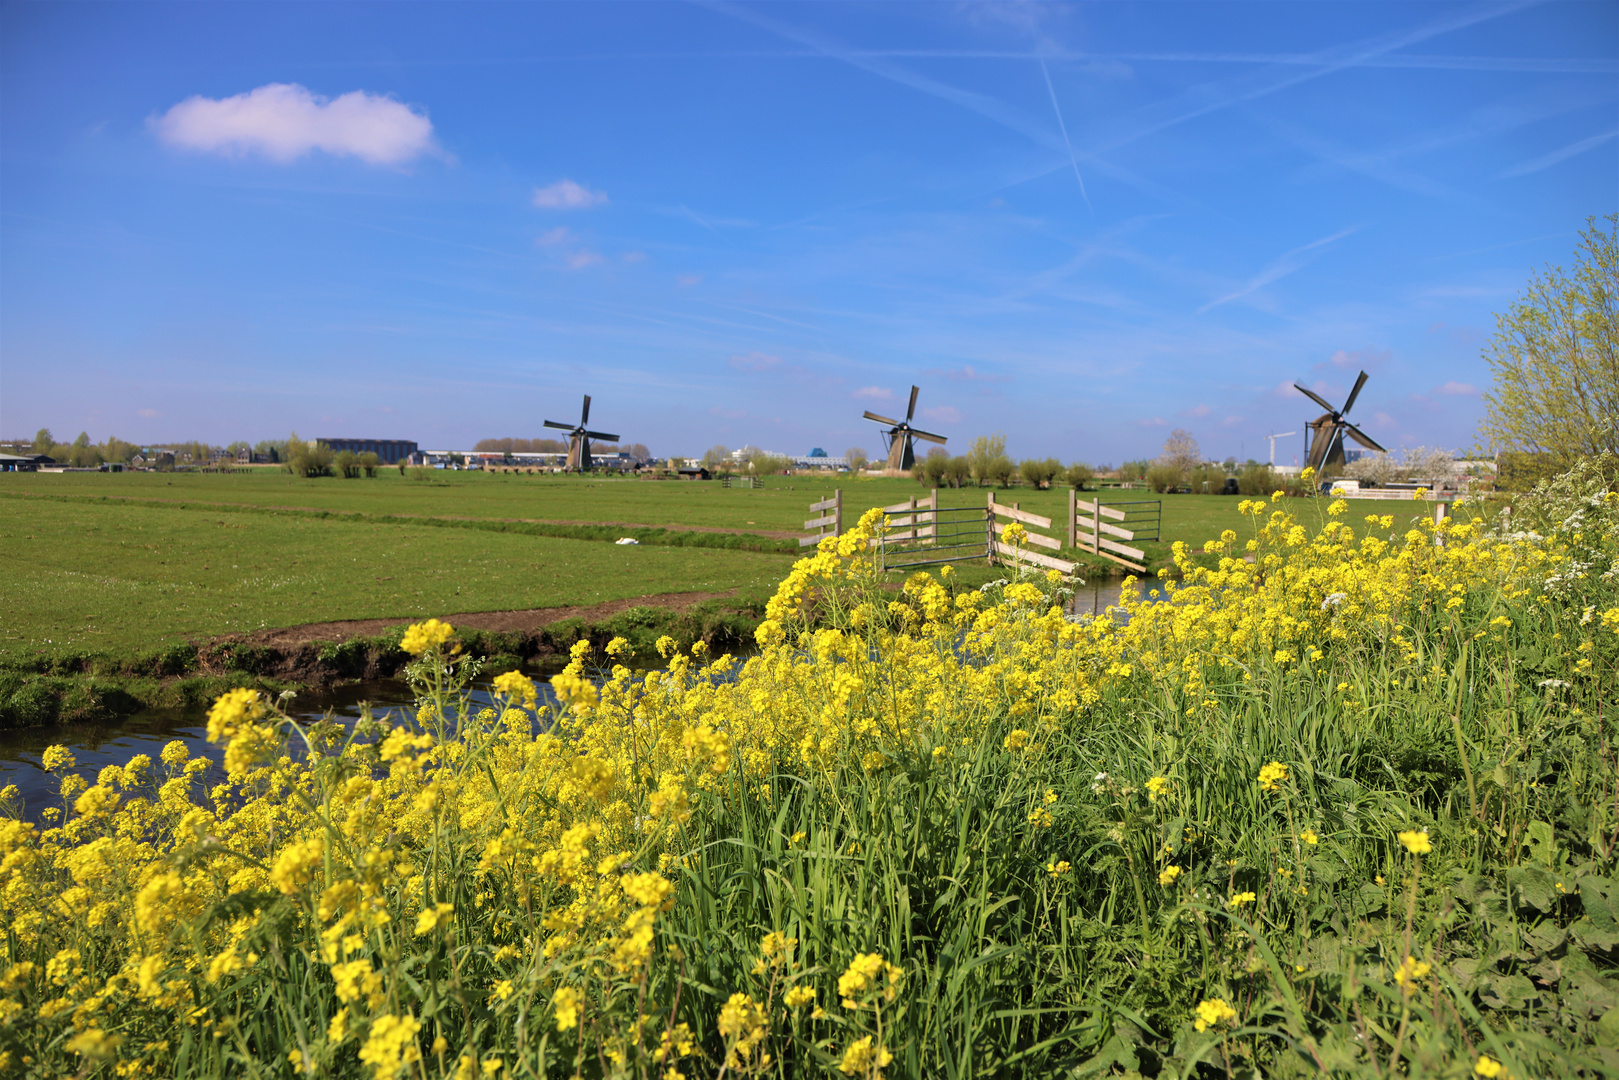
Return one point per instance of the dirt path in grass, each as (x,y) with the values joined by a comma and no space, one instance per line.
(504,621)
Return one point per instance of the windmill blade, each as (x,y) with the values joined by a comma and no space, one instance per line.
(603,436)
(1313,396)
(929,436)
(584,417)
(1361,437)
(564,427)
(1321,421)
(869,415)
(910,412)
(1353,394)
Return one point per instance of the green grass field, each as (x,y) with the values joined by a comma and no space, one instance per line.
(103,577)
(117,562)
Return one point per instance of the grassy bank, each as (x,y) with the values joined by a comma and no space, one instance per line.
(1349,808)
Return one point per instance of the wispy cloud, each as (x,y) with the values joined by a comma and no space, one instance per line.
(754,361)
(552,237)
(582,258)
(686,281)
(1356,359)
(1572,149)
(1062,127)
(1210,97)
(967,373)
(1288,263)
(943,414)
(1197,411)
(873,393)
(285,121)
(1457,389)
(1151,422)
(565,194)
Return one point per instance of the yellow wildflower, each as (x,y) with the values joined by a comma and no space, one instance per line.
(1416,842)
(1213,1013)
(422,637)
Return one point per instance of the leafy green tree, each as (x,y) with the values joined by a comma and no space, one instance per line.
(856,457)
(987,460)
(43,441)
(1555,360)
(1078,475)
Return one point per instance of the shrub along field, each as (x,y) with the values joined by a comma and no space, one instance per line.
(1350,808)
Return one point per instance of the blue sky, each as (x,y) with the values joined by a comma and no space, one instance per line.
(1081,225)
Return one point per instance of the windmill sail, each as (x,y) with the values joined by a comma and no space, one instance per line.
(901,436)
(579,436)
(1328,431)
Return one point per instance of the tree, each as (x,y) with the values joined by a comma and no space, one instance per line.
(857,458)
(1555,361)
(43,441)
(931,470)
(1180,452)
(1078,474)
(1039,472)
(717,458)
(957,471)
(984,458)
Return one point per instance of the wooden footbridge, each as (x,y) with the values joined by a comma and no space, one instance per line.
(920,532)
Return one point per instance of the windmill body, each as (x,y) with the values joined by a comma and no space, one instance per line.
(901,437)
(579,437)
(1325,446)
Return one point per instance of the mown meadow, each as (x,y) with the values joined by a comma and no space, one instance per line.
(1346,802)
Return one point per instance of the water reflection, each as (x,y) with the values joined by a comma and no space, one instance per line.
(98,745)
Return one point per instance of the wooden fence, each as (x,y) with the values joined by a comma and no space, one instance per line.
(831,511)
(1022,553)
(1091,528)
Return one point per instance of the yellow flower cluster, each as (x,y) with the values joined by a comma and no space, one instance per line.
(526,864)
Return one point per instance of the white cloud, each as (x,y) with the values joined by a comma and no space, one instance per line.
(285,121)
(1197,410)
(634,256)
(1457,389)
(582,258)
(874,393)
(567,195)
(1231,421)
(944,414)
(1151,421)
(148,413)
(552,237)
(686,281)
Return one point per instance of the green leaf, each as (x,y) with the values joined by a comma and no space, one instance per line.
(1532,886)
(1541,839)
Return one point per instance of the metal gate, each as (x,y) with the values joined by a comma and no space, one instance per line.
(917,537)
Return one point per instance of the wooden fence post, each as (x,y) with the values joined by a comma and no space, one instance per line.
(1073,522)
(837,512)
(1096,520)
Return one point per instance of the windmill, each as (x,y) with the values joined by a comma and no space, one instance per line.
(900,436)
(1326,432)
(579,439)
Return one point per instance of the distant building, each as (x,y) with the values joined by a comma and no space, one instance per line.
(388,451)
